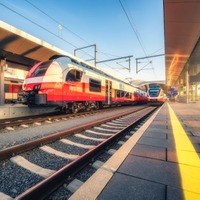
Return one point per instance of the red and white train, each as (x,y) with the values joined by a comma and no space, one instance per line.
(155,95)
(73,85)
(11,89)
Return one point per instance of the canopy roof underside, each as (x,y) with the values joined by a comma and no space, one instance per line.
(182,30)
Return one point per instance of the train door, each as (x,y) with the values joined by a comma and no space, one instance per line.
(108,92)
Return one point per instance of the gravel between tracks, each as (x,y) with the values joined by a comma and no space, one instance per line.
(13,186)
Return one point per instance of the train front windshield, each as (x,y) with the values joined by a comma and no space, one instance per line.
(41,69)
(153,92)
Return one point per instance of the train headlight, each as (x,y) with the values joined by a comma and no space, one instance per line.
(37,87)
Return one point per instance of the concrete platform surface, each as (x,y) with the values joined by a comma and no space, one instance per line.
(160,161)
(18,110)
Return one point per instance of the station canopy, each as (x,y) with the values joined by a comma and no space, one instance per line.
(22,49)
(182,31)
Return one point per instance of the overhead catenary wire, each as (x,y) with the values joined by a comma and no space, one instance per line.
(56,21)
(130,20)
(134,30)
(63,26)
(61,38)
(37,25)
(60,24)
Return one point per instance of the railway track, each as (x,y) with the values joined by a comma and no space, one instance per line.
(19,131)
(53,159)
(10,123)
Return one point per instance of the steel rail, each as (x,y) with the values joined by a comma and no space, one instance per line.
(20,148)
(44,188)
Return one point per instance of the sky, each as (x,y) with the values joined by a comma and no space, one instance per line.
(118,28)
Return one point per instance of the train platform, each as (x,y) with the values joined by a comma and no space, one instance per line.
(160,161)
(18,110)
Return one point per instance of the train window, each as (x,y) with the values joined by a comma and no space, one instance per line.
(95,86)
(128,95)
(73,76)
(6,88)
(122,93)
(117,93)
(41,69)
(136,94)
(78,75)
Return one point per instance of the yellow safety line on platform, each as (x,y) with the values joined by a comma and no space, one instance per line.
(188,160)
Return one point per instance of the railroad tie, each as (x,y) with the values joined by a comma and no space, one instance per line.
(22,162)
(58,153)
(76,144)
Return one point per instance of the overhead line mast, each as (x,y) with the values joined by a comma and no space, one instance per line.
(108,60)
(129,59)
(138,70)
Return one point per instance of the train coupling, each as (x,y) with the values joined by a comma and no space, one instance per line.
(31,98)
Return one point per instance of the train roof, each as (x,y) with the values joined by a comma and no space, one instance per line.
(90,66)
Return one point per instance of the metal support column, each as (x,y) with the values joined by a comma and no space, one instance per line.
(2,68)
(187,83)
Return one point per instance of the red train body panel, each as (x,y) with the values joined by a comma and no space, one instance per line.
(73,85)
